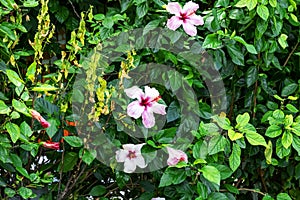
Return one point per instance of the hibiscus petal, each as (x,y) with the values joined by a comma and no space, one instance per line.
(121,155)
(129,166)
(196,20)
(158,108)
(135,110)
(129,147)
(174,22)
(175,156)
(134,92)
(190,7)
(140,161)
(138,148)
(148,119)
(151,92)
(173,8)
(189,28)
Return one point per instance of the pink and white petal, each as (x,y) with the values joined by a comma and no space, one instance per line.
(148,119)
(189,28)
(196,20)
(172,161)
(129,147)
(140,161)
(134,92)
(190,7)
(174,22)
(151,92)
(138,148)
(158,108)
(173,8)
(121,155)
(135,110)
(129,166)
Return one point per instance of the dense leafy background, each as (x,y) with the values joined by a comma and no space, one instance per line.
(255,47)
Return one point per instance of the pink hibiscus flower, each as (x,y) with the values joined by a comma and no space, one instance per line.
(131,156)
(36,115)
(176,156)
(185,17)
(51,145)
(145,105)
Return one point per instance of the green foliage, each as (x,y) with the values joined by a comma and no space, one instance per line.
(251,150)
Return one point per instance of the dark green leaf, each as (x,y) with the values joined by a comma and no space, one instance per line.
(216,144)
(289,89)
(89,156)
(62,14)
(25,193)
(70,161)
(74,141)
(251,75)
(142,9)
(236,54)
(97,190)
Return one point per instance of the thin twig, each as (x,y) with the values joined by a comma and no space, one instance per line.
(291,53)
(74,9)
(246,189)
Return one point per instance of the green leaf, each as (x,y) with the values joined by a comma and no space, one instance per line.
(62,14)
(278,114)
(23,171)
(25,193)
(223,122)
(287,139)
(108,22)
(172,176)
(151,26)
(283,196)
(89,156)
(263,12)
(296,144)
(242,120)
(234,135)
(280,150)
(25,129)
(14,77)
(231,189)
(7,31)
(4,109)
(273,3)
(212,174)
(212,41)
(17,162)
(267,197)
(273,131)
(44,88)
(142,10)
(97,190)
(216,144)
(13,130)
(251,75)
(235,157)
(289,89)
(30,3)
(282,40)
(30,74)
(9,192)
(268,152)
(173,112)
(8,4)
(292,108)
(255,138)
(20,107)
(175,80)
(251,4)
(217,196)
(250,48)
(236,54)
(51,131)
(70,161)
(73,141)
